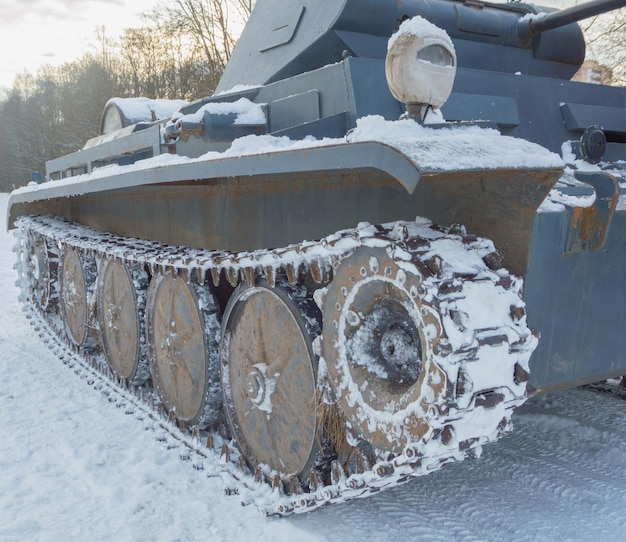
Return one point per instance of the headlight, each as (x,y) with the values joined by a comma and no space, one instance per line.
(420,65)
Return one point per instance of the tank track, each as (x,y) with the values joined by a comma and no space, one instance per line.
(463,419)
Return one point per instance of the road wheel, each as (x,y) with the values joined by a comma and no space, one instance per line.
(182,337)
(269,375)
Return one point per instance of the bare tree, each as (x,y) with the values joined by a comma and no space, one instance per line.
(244,8)
(214,25)
(181,54)
(606,42)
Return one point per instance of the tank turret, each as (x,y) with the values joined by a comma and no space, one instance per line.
(310,34)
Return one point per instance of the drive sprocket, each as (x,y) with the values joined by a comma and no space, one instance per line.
(380,336)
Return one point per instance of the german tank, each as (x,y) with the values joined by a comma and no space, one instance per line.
(391,224)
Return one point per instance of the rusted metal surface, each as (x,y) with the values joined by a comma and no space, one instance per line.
(77,280)
(120,316)
(269,379)
(499,204)
(577,303)
(179,349)
(321,161)
(261,211)
(590,225)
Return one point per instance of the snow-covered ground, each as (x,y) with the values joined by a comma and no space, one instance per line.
(74,467)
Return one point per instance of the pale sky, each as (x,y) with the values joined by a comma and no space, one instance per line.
(39,32)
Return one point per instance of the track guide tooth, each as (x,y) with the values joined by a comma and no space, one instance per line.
(315,480)
(292,273)
(249,275)
(277,485)
(337,473)
(231,276)
(363,463)
(225,454)
(317,270)
(270,275)
(295,488)
(241,464)
(215,276)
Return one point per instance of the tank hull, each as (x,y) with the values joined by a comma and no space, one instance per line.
(577,303)
(176,206)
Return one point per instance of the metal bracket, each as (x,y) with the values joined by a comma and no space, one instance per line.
(127,144)
(590,225)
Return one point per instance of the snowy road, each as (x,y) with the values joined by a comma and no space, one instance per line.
(74,467)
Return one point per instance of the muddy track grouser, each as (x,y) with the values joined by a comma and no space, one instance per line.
(391,224)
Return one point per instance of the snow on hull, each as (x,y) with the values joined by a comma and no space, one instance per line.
(428,149)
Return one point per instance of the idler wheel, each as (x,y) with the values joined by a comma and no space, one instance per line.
(269,376)
(379,337)
(182,331)
(120,318)
(78,275)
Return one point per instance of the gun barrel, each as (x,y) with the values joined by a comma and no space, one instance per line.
(572,15)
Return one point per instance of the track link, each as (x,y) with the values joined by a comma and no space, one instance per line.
(470,410)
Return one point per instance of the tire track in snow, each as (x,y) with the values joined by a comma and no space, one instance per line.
(559,475)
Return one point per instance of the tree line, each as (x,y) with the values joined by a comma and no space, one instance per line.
(181,52)
(606,42)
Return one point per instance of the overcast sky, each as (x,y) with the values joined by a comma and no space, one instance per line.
(38,32)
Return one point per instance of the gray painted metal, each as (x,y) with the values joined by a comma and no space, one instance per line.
(577,302)
(310,34)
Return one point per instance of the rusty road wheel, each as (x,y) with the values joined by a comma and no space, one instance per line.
(78,276)
(269,376)
(379,336)
(182,337)
(121,304)
(43,269)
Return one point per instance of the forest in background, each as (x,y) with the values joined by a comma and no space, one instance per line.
(179,53)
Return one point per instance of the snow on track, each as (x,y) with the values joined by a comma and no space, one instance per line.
(75,467)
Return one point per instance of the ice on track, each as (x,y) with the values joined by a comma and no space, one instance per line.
(74,467)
